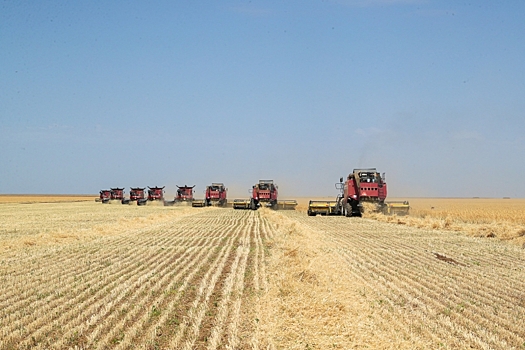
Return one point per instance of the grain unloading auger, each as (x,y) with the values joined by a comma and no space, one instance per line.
(361,186)
(264,194)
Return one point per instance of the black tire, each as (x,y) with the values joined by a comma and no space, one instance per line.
(253,204)
(347,210)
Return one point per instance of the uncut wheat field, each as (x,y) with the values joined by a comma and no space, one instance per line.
(86,275)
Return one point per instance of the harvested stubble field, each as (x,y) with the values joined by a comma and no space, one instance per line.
(92,276)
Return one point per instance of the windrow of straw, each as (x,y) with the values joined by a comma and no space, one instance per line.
(312,302)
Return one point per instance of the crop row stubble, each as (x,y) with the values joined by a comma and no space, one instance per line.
(168,277)
(189,281)
(472,296)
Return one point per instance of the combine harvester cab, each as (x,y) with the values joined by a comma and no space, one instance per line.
(104,196)
(361,186)
(264,193)
(156,194)
(214,195)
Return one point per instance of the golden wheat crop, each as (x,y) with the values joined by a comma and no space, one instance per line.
(503,219)
(474,210)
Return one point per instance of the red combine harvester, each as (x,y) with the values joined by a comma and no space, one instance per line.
(184,193)
(117,194)
(104,196)
(156,194)
(361,186)
(264,193)
(215,194)
(136,194)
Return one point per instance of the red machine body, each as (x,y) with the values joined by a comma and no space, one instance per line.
(184,193)
(363,185)
(155,193)
(117,193)
(136,193)
(105,196)
(264,192)
(216,194)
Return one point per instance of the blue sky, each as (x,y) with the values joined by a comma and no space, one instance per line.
(97,94)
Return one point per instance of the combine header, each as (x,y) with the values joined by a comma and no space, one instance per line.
(361,186)
(264,193)
(400,208)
